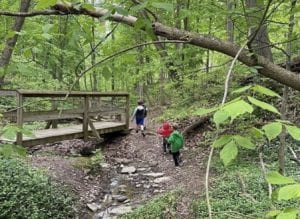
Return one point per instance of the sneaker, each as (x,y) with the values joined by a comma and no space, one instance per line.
(136,131)
(143,134)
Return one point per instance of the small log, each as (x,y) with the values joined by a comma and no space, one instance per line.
(196,124)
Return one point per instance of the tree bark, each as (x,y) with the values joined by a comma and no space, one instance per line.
(284,103)
(258,30)
(11,42)
(268,68)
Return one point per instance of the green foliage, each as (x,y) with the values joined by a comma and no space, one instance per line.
(286,192)
(28,193)
(228,199)
(42,4)
(160,207)
(92,163)
(9,151)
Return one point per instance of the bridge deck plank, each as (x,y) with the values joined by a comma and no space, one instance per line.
(75,131)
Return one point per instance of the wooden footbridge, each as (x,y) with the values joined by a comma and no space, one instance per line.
(83,114)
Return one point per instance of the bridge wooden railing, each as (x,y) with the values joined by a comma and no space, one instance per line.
(67,105)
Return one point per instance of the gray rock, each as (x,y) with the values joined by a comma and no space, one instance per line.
(107,199)
(152,174)
(161,179)
(120,210)
(119,198)
(122,160)
(105,165)
(128,169)
(93,207)
(147,186)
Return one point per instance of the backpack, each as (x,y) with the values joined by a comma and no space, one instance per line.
(140,112)
(176,140)
(145,110)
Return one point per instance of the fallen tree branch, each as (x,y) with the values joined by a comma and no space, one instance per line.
(194,125)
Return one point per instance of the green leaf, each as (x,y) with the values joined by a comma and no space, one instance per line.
(229,152)
(42,4)
(140,24)
(220,117)
(202,111)
(27,53)
(139,7)
(121,10)
(88,6)
(289,213)
(278,179)
(237,108)
(272,130)
(253,70)
(263,105)
(244,142)
(293,131)
(273,213)
(224,139)
(256,133)
(241,90)
(289,192)
(165,6)
(265,91)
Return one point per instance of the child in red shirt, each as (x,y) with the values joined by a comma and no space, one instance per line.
(165,132)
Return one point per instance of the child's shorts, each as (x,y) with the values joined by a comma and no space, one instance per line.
(140,121)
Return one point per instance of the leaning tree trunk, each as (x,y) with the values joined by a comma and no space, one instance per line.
(11,42)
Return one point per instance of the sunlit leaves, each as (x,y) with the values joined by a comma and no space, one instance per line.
(224,139)
(244,142)
(289,192)
(258,89)
(286,192)
(237,108)
(220,117)
(293,131)
(231,110)
(263,105)
(242,89)
(163,5)
(202,111)
(265,91)
(42,4)
(289,213)
(272,130)
(278,179)
(229,152)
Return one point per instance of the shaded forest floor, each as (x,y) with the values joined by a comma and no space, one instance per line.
(153,171)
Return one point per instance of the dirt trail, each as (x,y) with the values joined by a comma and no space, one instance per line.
(143,153)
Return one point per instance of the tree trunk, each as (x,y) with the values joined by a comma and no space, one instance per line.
(259,39)
(11,42)
(284,103)
(230,24)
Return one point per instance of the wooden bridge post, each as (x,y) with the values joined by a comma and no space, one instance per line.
(85,118)
(19,117)
(127,112)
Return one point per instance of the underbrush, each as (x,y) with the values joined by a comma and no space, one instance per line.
(161,207)
(28,193)
(239,192)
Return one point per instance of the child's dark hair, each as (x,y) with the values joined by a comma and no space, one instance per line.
(140,102)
